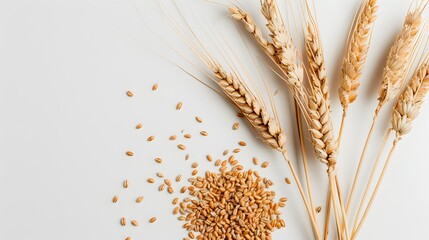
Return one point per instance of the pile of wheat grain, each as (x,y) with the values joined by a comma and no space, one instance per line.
(232,204)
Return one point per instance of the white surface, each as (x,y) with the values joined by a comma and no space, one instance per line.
(65,123)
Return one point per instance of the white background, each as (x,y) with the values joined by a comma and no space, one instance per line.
(65,121)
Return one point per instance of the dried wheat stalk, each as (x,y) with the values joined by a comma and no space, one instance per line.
(357,52)
(404,113)
(410,101)
(399,58)
(398,64)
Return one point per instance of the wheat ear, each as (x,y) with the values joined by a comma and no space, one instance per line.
(316,60)
(399,58)
(253,110)
(357,52)
(409,103)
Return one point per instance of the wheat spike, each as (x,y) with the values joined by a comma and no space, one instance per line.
(357,52)
(316,60)
(320,123)
(253,29)
(410,101)
(254,111)
(399,58)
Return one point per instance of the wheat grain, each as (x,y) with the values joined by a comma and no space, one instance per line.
(115,199)
(199,119)
(130,94)
(139,199)
(139,126)
(129,153)
(134,223)
(155,87)
(357,52)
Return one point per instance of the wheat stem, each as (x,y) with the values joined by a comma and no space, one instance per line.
(335,204)
(328,214)
(301,191)
(304,159)
(362,157)
(380,179)
(380,152)
(345,225)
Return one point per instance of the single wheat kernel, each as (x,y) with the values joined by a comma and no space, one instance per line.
(287,180)
(161,175)
(199,119)
(242,143)
(218,162)
(187,135)
(167,181)
(235,126)
(128,238)
(158,160)
(123,221)
(151,180)
(139,199)
(191,235)
(224,162)
(318,209)
(173,137)
(161,187)
(130,94)
(175,201)
(152,220)
(151,138)
(183,189)
(209,158)
(179,106)
(139,126)
(178,178)
(176,210)
(194,165)
(223,169)
(204,133)
(255,161)
(181,147)
(187,157)
(170,190)
(265,164)
(125,184)
(155,87)
(134,223)
(225,152)
(283,199)
(195,172)
(181,218)
(115,199)
(129,153)
(237,150)
(282,204)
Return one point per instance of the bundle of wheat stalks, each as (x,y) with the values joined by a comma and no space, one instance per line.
(308,83)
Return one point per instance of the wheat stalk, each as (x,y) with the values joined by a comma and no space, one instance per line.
(398,64)
(404,113)
(357,52)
